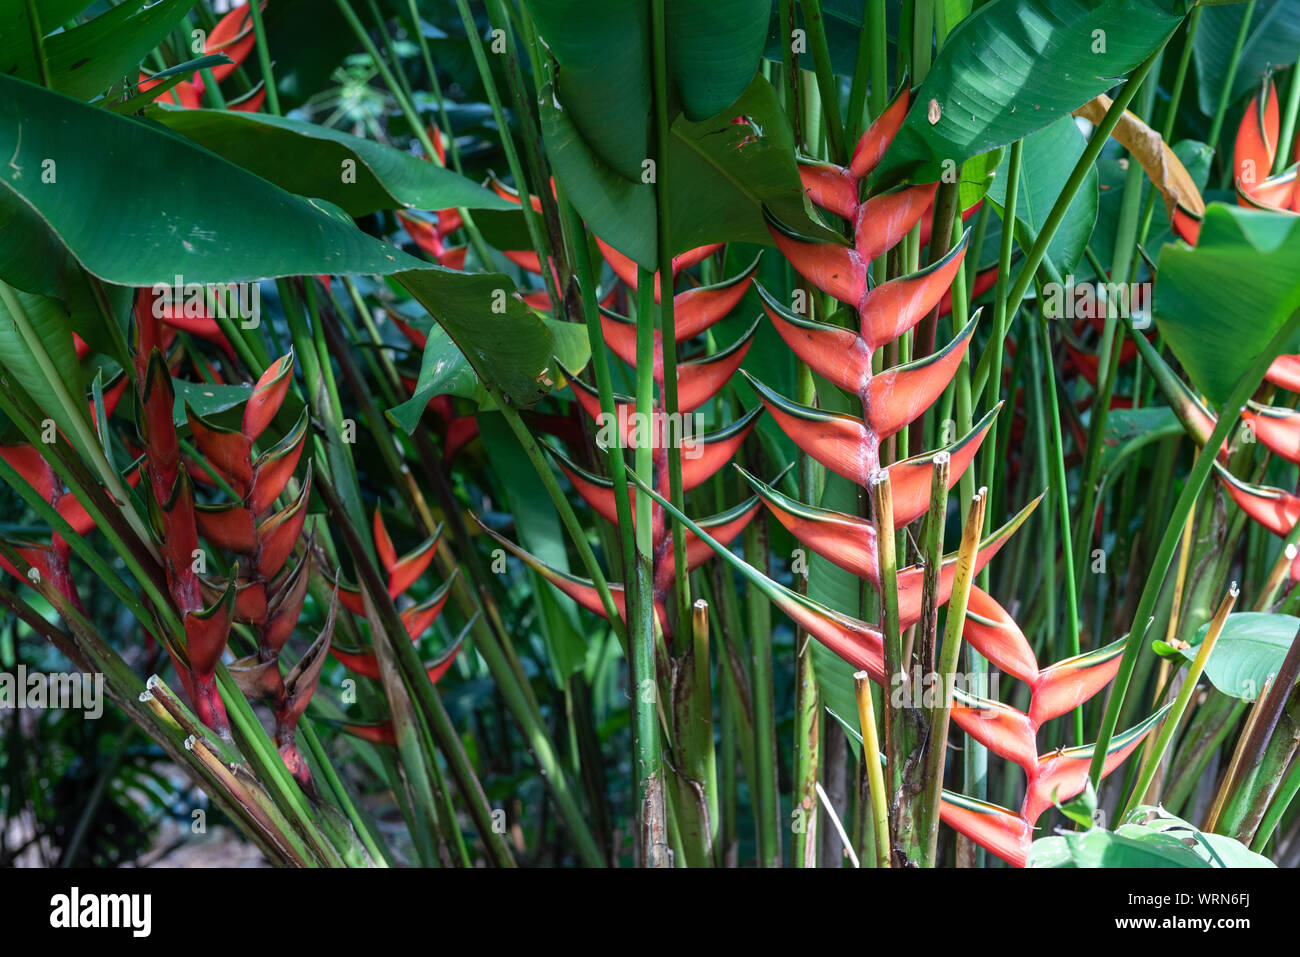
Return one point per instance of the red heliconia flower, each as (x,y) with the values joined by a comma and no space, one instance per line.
(171,500)
(848,444)
(269,594)
(1055,776)
(1254,152)
(235,37)
(702,455)
(264,590)
(402,572)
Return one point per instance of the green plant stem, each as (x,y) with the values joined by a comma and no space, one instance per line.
(264,58)
(551,231)
(1061,492)
(1288,119)
(872,762)
(38,43)
(1171,114)
(826,85)
(963,577)
(759,622)
(924,659)
(643,632)
(878,95)
(536,235)
(1229,78)
(1085,162)
(667,323)
(1003,307)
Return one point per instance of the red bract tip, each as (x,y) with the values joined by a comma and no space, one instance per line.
(268,395)
(871,147)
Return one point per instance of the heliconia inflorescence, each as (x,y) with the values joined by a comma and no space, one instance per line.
(699,380)
(850,445)
(402,573)
(265,590)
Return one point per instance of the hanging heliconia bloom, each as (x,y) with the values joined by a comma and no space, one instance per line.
(402,572)
(702,454)
(171,502)
(235,37)
(265,590)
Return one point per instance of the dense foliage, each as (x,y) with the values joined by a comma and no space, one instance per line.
(606,432)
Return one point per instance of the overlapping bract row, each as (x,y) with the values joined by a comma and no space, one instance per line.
(699,380)
(263,590)
(1053,777)
(851,445)
(403,572)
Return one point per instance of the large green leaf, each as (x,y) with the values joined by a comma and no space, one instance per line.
(604,80)
(504,341)
(1219,304)
(314,160)
(1271,43)
(1150,837)
(1249,651)
(1015,66)
(444,370)
(155,206)
(151,206)
(722,176)
(17,52)
(53,327)
(88,59)
(1048,157)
